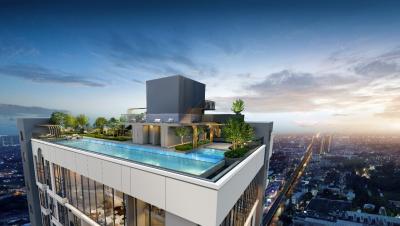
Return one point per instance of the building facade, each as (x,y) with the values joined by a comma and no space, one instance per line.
(97,182)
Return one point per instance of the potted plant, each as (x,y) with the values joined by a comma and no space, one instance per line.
(237,106)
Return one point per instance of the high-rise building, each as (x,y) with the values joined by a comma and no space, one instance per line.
(145,182)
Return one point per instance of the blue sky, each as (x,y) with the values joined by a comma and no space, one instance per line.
(307,65)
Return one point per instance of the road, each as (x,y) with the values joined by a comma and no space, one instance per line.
(271,217)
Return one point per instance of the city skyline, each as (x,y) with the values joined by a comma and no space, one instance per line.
(307,66)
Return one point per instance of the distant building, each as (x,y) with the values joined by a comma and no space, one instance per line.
(324,212)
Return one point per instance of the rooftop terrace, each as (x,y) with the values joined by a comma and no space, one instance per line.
(200,162)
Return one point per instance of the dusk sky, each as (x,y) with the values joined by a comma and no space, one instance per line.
(306,65)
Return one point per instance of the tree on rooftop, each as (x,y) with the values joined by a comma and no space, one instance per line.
(100,123)
(237,132)
(202,132)
(82,121)
(57,118)
(182,132)
(113,123)
(69,121)
(238,106)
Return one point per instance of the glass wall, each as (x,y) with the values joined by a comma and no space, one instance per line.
(142,213)
(42,169)
(62,214)
(43,199)
(59,180)
(101,219)
(39,169)
(240,211)
(157,216)
(101,203)
(47,175)
(119,208)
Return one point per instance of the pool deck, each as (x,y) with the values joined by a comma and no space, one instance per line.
(215,163)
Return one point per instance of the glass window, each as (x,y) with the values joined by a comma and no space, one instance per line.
(48,175)
(59,180)
(142,213)
(52,206)
(43,198)
(93,200)
(108,205)
(86,197)
(157,216)
(68,185)
(100,203)
(46,220)
(119,208)
(76,221)
(73,188)
(79,194)
(62,214)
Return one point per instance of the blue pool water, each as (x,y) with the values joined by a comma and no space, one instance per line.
(197,162)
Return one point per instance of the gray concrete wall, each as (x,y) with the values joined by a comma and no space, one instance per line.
(169,138)
(154,135)
(140,134)
(25,127)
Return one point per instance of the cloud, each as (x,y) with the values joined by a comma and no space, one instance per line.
(306,123)
(297,91)
(392,109)
(391,55)
(168,56)
(137,81)
(377,68)
(360,84)
(37,73)
(16,47)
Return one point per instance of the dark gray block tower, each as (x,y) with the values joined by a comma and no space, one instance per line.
(175,99)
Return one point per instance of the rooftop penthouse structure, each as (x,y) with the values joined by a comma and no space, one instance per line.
(91,181)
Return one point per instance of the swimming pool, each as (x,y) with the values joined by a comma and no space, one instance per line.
(197,162)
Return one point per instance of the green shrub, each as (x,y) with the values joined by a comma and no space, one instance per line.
(102,136)
(237,153)
(201,142)
(184,147)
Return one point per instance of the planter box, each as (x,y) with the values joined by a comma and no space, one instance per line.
(230,161)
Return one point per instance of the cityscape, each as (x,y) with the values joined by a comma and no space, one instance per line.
(200,113)
(352,178)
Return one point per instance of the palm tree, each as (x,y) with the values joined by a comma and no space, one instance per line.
(237,106)
(182,132)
